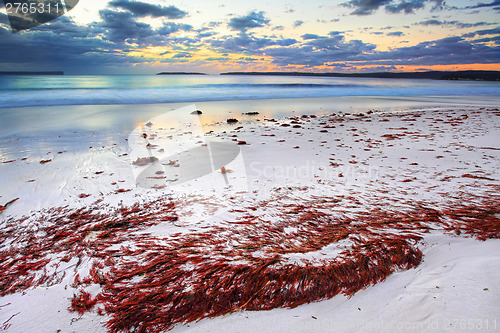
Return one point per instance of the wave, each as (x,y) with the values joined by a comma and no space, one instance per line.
(41,97)
(120,92)
(205,86)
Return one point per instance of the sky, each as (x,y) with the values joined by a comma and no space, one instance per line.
(150,36)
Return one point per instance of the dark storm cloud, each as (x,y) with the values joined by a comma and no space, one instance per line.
(250,21)
(368,7)
(141,9)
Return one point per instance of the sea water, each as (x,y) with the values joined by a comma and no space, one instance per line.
(19,91)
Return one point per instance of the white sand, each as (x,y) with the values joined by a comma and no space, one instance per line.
(454,289)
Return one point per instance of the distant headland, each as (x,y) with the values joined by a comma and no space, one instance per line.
(434,75)
(32,73)
(180,73)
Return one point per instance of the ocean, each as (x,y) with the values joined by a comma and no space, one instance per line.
(20,91)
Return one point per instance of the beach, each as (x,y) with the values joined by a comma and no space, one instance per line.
(389,203)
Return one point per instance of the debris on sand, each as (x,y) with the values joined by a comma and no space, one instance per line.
(145,160)
(2,208)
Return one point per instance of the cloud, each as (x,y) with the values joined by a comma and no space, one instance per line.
(70,50)
(407,7)
(458,24)
(120,27)
(469,35)
(207,34)
(248,43)
(446,51)
(378,69)
(172,27)
(395,33)
(430,22)
(482,5)
(330,51)
(310,36)
(182,55)
(141,9)
(243,42)
(318,51)
(297,23)
(250,21)
(286,42)
(368,7)
(495,31)
(495,39)
(365,7)
(105,45)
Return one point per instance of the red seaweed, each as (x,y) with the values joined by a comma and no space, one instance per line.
(82,302)
(150,283)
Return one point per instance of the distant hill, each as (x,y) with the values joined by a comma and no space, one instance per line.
(434,75)
(181,73)
(32,73)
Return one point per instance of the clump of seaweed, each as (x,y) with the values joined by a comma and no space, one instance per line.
(82,302)
(149,283)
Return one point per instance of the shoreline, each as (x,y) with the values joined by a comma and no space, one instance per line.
(386,160)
